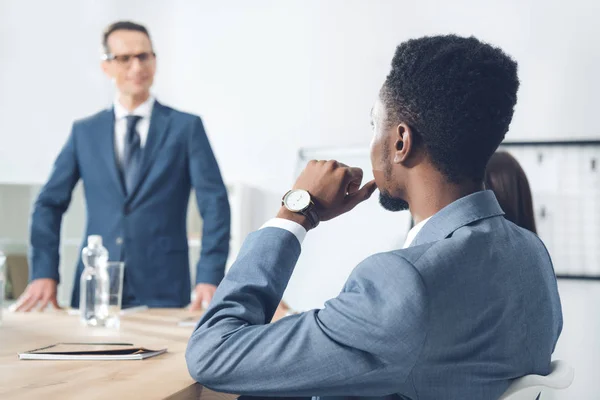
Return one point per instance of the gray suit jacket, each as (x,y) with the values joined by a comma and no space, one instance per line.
(471,305)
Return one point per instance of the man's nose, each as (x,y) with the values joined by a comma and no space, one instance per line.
(136,64)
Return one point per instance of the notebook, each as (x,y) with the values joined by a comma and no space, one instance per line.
(91,352)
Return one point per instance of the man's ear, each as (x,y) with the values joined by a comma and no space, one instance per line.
(106,69)
(403,143)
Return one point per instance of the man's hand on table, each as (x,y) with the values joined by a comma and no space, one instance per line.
(38,294)
(204,295)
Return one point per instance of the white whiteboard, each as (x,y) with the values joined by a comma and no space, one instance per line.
(565,182)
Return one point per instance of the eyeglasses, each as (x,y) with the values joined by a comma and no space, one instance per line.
(126,59)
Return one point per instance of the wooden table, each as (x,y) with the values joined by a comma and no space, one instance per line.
(165,376)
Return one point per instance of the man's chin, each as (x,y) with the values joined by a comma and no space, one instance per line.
(392,203)
(137,89)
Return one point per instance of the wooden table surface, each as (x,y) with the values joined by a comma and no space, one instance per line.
(160,377)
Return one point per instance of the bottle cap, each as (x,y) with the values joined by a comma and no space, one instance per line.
(94,240)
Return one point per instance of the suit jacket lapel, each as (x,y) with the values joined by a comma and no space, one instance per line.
(106,147)
(464,211)
(159,122)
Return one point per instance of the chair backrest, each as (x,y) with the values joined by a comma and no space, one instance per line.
(530,386)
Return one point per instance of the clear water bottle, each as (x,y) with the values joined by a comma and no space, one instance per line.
(94,282)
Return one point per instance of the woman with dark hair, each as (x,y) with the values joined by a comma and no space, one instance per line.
(507,179)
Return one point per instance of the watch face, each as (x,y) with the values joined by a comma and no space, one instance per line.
(297,200)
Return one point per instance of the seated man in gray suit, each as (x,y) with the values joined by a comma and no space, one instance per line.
(469,304)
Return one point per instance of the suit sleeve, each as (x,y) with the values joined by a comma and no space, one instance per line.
(213,206)
(48,210)
(363,342)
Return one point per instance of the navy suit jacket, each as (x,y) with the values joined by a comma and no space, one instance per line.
(146,228)
(471,305)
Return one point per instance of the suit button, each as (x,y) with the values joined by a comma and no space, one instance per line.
(126,210)
(119,241)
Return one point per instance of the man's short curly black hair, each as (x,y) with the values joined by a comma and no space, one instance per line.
(457,95)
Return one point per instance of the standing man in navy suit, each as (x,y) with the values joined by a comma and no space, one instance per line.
(138,162)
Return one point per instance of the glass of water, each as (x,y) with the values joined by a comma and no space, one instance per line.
(108,298)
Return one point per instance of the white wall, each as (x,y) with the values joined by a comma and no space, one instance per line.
(271,76)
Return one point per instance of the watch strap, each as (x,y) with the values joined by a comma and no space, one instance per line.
(312,215)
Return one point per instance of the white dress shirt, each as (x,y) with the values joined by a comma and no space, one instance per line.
(293,227)
(414,231)
(144,110)
(298,230)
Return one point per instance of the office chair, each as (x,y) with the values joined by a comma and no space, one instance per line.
(530,387)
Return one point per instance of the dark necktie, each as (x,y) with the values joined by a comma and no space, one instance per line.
(132,155)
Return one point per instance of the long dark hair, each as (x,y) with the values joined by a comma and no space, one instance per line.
(507,179)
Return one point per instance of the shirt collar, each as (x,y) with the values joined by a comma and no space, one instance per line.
(464,211)
(414,231)
(144,110)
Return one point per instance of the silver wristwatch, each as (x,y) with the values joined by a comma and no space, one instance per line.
(299,201)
